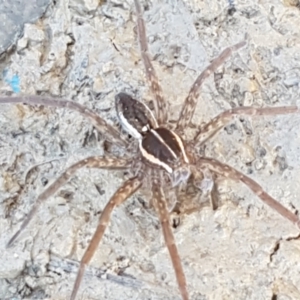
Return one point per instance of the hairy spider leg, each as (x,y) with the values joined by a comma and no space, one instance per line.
(159,202)
(190,101)
(98,122)
(231,173)
(110,163)
(160,105)
(120,196)
(209,129)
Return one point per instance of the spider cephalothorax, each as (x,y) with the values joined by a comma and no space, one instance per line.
(162,153)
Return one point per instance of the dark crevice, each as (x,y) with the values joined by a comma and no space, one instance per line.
(276,248)
(274,297)
(293,238)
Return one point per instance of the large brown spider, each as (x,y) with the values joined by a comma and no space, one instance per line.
(164,160)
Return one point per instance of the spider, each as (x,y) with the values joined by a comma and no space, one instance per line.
(164,160)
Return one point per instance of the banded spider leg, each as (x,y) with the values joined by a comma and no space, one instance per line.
(160,105)
(109,163)
(190,101)
(111,133)
(160,204)
(208,130)
(120,196)
(226,171)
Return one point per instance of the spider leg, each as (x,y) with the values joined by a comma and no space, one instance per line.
(208,130)
(90,162)
(160,204)
(229,172)
(204,181)
(190,101)
(121,195)
(159,102)
(97,121)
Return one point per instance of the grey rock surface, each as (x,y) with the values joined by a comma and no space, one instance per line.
(87,51)
(13,16)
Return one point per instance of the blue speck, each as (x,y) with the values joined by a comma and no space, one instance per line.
(13,81)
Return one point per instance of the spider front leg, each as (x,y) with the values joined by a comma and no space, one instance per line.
(208,130)
(159,101)
(90,162)
(121,195)
(190,101)
(97,121)
(160,204)
(229,172)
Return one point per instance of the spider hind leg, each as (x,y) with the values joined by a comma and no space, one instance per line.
(161,207)
(120,196)
(90,162)
(226,171)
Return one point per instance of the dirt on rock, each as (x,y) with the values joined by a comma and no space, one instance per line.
(87,51)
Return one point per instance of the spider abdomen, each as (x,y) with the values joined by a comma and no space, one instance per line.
(164,148)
